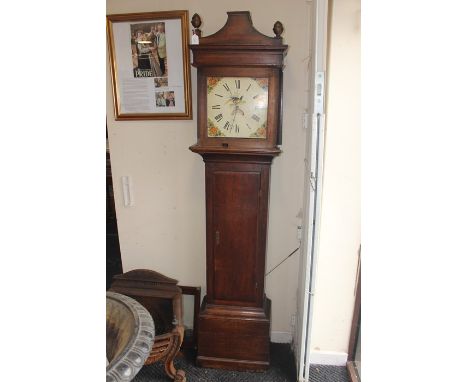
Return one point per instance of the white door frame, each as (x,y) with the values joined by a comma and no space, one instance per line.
(312,187)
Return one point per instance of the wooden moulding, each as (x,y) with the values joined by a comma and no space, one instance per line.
(226,154)
(234,44)
(240,56)
(239,30)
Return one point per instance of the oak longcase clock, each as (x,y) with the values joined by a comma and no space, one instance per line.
(239,128)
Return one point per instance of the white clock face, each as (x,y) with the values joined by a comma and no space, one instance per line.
(237,107)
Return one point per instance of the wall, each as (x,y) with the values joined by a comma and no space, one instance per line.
(340,219)
(165,229)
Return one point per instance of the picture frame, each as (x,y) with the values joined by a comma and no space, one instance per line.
(191,336)
(149,63)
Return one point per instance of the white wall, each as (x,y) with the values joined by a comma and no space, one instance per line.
(165,229)
(340,218)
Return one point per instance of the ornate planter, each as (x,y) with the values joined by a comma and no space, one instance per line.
(129,337)
(161,296)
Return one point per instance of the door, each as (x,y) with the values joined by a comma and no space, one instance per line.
(237,198)
(235,210)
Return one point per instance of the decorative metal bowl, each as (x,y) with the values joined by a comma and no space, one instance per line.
(129,337)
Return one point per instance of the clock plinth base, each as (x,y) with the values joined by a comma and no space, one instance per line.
(234,337)
(232,364)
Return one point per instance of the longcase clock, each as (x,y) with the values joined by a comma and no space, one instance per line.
(239,129)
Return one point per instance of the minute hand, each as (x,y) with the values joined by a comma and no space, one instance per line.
(233,119)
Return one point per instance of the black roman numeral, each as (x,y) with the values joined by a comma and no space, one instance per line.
(248,125)
(219,117)
(226,125)
(249,87)
(219,95)
(255,96)
(226,87)
(255,117)
(237,128)
(237,84)
(216,107)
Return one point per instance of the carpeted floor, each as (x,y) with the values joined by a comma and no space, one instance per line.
(324,373)
(282,369)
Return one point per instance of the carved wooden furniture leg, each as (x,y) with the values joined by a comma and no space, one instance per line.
(180,376)
(178,335)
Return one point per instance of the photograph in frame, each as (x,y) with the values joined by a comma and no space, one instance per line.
(149,65)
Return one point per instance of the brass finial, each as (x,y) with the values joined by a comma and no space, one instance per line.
(278,29)
(196,22)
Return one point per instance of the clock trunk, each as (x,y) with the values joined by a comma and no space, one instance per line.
(234,324)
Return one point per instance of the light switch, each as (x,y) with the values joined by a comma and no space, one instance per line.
(127,190)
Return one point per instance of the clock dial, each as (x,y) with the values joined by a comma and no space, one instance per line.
(237,107)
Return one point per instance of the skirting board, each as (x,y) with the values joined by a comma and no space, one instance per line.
(281,337)
(328,358)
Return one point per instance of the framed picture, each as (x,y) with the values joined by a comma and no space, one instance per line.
(150,66)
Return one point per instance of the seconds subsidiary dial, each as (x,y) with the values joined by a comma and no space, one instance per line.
(237,107)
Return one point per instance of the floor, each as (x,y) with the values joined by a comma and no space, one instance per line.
(323,373)
(282,369)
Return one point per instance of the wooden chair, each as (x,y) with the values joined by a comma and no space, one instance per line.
(161,296)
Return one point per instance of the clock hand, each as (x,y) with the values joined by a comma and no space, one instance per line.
(237,109)
(234,100)
(235,114)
